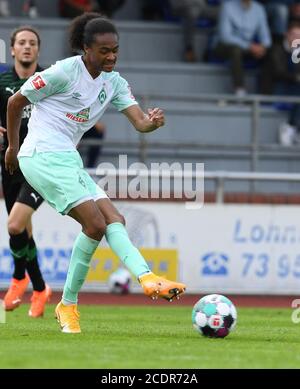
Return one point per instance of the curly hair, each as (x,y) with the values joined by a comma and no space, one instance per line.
(84,28)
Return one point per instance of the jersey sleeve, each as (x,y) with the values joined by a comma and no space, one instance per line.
(123,97)
(46,83)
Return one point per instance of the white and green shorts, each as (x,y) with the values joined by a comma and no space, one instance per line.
(60,179)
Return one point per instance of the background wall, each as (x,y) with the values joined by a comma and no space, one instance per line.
(218,249)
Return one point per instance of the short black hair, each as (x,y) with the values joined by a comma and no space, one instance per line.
(84,28)
(13,35)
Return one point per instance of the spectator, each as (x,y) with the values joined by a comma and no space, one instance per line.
(278,15)
(281,76)
(93,152)
(242,32)
(189,11)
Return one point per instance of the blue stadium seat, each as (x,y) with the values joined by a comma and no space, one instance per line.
(281,106)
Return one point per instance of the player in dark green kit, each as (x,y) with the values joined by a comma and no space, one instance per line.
(20,198)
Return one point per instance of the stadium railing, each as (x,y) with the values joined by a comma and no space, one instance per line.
(254,150)
(119,177)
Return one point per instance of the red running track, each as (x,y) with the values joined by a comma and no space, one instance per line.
(185,300)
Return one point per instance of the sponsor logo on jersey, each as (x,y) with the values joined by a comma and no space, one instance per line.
(38,83)
(81,117)
(27,111)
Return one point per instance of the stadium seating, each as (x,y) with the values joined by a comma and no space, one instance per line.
(150,60)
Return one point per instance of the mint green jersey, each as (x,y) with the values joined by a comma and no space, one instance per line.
(67,103)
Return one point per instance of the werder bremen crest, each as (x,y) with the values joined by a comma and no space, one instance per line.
(102,95)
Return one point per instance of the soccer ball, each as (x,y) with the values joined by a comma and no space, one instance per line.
(119,281)
(214,316)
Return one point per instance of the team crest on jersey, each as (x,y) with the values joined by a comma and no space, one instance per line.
(38,83)
(102,95)
(82,116)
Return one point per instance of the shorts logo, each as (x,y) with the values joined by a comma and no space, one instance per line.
(35,197)
(38,83)
(81,181)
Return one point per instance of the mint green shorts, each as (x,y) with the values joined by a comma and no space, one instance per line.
(60,179)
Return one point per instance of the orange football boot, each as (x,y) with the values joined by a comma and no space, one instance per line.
(155,286)
(13,296)
(38,302)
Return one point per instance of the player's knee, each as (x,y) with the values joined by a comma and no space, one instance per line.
(15,228)
(96,229)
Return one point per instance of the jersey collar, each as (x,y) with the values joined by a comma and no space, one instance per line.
(15,74)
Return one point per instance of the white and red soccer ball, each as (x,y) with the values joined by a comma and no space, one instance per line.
(214,316)
(119,282)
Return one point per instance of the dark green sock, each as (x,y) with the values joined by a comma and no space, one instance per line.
(33,268)
(18,247)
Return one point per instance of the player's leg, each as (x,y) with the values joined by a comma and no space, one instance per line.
(19,225)
(19,282)
(66,189)
(118,239)
(28,201)
(41,291)
(93,229)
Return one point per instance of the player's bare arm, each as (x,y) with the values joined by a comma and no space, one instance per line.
(145,122)
(15,106)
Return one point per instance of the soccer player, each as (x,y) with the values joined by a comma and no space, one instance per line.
(69,98)
(20,198)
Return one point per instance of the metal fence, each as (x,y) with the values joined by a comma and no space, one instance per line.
(218,177)
(254,150)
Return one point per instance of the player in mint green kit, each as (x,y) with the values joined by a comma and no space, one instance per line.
(69,98)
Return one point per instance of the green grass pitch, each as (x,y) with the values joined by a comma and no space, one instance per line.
(148,337)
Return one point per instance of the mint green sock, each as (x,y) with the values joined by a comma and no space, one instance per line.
(117,237)
(83,250)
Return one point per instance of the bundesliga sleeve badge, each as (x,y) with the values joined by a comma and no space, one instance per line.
(38,83)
